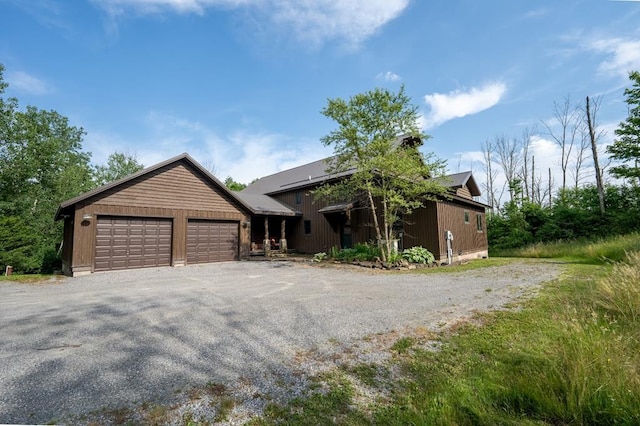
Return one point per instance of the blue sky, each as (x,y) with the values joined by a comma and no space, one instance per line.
(239,84)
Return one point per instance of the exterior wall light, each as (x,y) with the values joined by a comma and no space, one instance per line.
(87,216)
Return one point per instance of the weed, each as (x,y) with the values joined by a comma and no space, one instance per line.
(403,344)
(224,409)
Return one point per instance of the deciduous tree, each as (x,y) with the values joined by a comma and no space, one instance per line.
(118,165)
(41,164)
(626,148)
(393,180)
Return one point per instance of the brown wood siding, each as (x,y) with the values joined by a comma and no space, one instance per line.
(325,232)
(464,192)
(172,187)
(421,229)
(160,197)
(132,242)
(67,245)
(211,241)
(466,238)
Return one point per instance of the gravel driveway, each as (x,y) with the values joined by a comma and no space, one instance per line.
(115,339)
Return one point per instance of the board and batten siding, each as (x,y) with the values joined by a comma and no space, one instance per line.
(323,235)
(176,191)
(466,237)
(421,229)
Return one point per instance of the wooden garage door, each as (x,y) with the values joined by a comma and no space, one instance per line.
(211,241)
(132,242)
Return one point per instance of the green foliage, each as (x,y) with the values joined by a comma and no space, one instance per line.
(359,252)
(366,143)
(418,255)
(626,147)
(41,164)
(403,344)
(118,166)
(574,215)
(597,251)
(319,257)
(233,185)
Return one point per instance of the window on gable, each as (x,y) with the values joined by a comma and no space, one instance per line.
(299,197)
(479,222)
(307,227)
(466,216)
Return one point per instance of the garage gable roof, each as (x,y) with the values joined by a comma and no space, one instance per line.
(184,157)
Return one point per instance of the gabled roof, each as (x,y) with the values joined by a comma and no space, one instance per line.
(458,180)
(310,174)
(184,157)
(265,205)
(314,173)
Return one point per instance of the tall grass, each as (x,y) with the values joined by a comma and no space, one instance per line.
(604,249)
(571,357)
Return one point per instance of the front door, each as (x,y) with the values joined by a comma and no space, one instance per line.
(346,240)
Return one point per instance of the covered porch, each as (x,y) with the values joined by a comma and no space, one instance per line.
(271,222)
(269,235)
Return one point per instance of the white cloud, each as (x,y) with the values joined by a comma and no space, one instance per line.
(388,76)
(243,154)
(624,55)
(456,104)
(314,21)
(27,83)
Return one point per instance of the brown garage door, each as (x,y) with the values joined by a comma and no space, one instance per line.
(211,241)
(132,242)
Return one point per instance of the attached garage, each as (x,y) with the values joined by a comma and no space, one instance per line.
(132,242)
(171,214)
(211,241)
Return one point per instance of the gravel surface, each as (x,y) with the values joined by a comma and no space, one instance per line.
(78,347)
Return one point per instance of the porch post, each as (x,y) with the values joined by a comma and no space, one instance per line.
(266,243)
(283,237)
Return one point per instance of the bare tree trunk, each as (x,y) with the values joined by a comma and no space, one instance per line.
(526,155)
(509,158)
(550,185)
(594,151)
(533,180)
(567,119)
(581,157)
(487,152)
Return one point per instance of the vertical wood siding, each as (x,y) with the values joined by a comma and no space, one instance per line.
(421,229)
(466,238)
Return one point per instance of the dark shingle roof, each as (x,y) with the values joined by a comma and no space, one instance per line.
(308,174)
(458,180)
(265,205)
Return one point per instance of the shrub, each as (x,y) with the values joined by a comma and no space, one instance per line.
(360,252)
(319,257)
(418,255)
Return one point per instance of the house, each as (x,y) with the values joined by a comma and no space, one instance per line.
(177,213)
(310,225)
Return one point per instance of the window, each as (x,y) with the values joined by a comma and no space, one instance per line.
(479,222)
(299,197)
(466,216)
(307,227)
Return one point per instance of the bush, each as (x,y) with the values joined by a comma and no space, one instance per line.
(418,255)
(360,252)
